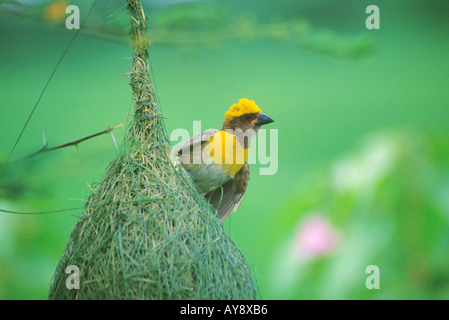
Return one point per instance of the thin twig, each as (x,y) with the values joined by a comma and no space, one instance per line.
(45,148)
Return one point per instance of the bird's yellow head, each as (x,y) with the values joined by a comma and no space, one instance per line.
(239,109)
(245,115)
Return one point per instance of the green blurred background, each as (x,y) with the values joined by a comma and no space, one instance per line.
(362,118)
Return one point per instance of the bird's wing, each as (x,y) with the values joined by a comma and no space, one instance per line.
(188,146)
(229,196)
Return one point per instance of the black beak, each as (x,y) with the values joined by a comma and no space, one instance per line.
(263,119)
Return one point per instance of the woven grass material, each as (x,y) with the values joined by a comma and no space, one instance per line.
(146,232)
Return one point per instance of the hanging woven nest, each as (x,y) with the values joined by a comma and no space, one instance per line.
(146,232)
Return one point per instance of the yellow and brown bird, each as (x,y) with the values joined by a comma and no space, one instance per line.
(216,159)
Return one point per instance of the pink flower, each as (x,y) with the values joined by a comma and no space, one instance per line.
(315,237)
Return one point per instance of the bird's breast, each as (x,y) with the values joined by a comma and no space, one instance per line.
(225,151)
(215,162)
